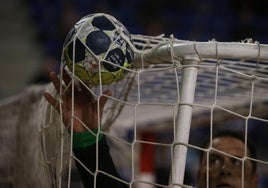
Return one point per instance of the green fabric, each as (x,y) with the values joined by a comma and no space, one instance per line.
(85,139)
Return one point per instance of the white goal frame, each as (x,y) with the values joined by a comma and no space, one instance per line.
(190,54)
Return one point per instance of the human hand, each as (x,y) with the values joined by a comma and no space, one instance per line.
(85,106)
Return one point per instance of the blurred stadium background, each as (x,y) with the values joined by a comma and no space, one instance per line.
(33,31)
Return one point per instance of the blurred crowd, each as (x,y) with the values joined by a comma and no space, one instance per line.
(199,20)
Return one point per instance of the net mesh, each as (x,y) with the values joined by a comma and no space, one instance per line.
(36,147)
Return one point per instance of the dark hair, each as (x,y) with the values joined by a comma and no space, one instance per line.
(238,135)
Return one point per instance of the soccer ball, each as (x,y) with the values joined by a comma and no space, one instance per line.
(97,49)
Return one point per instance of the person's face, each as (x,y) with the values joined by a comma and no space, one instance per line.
(226,171)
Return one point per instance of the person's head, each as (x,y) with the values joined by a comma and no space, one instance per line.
(225,165)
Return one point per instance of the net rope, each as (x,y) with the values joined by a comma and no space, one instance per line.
(37,149)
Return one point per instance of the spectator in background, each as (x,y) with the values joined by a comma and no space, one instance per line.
(226,165)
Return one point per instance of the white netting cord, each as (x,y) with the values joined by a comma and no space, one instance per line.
(236,68)
(226,88)
(35,158)
(251,75)
(221,65)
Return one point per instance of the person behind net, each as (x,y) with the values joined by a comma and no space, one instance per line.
(224,170)
(84,143)
(228,170)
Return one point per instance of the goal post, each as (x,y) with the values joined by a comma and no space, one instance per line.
(247,59)
(212,49)
(184,117)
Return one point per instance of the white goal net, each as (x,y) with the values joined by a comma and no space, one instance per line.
(177,87)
